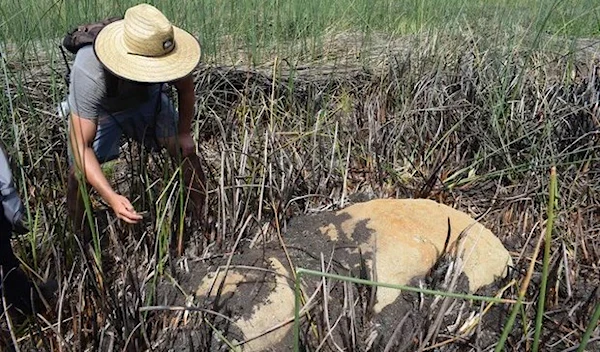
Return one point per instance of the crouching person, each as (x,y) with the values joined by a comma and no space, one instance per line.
(116,88)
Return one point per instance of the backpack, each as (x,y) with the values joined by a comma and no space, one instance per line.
(81,36)
(85,34)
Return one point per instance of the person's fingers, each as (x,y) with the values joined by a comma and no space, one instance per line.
(130,217)
(130,209)
(126,212)
(127,204)
(127,220)
(132,214)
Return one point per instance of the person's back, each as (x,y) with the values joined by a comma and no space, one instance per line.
(96,93)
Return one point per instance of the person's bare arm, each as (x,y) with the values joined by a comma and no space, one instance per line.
(82,134)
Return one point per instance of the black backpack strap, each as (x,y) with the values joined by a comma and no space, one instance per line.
(67,75)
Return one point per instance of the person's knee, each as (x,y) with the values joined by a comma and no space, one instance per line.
(72,173)
(74,198)
(72,179)
(171,145)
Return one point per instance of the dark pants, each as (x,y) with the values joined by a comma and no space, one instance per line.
(7,257)
(15,285)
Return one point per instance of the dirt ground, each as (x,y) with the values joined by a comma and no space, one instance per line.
(401,326)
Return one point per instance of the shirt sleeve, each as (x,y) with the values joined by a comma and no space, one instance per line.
(12,207)
(87,86)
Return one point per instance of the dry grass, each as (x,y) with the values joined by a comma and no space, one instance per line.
(455,119)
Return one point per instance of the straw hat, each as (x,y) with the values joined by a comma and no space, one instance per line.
(146,47)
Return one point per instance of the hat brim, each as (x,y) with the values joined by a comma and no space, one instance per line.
(180,62)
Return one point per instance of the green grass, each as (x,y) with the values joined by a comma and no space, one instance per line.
(290,26)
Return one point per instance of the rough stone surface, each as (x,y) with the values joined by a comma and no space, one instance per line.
(404,237)
(408,236)
(268,322)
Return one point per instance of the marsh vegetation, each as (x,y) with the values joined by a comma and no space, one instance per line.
(302,107)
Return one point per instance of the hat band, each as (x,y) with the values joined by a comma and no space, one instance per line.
(168,46)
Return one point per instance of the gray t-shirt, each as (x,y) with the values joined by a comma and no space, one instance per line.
(90,96)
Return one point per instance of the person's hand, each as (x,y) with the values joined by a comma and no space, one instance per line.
(123,209)
(186,145)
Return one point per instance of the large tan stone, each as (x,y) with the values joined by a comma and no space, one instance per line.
(274,310)
(408,236)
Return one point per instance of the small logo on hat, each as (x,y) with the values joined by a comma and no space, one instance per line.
(168,45)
